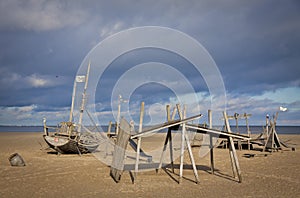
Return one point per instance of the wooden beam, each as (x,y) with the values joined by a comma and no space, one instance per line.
(166,125)
(222,134)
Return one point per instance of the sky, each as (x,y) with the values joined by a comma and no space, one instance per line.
(255,45)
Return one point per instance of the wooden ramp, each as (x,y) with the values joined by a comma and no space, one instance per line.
(123,137)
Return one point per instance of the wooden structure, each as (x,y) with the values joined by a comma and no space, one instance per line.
(269,139)
(183,125)
(272,142)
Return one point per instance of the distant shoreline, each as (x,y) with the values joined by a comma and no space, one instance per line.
(242,129)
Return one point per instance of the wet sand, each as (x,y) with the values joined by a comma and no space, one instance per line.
(47,174)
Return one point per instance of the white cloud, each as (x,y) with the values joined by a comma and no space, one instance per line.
(111,29)
(36,81)
(281,95)
(30,115)
(40,15)
(13,80)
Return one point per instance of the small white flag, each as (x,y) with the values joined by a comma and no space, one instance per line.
(80,79)
(282,108)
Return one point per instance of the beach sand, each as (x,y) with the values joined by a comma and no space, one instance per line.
(47,174)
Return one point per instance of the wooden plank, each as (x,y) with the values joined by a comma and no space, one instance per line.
(117,165)
(222,134)
(166,125)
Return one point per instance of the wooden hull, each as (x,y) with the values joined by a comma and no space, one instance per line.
(64,144)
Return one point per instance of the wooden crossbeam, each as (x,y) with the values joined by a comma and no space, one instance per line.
(166,125)
(222,134)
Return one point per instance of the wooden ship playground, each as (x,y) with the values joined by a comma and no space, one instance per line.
(71,137)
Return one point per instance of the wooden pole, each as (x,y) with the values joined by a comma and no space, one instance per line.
(45,127)
(182,145)
(139,139)
(84,97)
(169,135)
(173,113)
(236,117)
(232,150)
(189,147)
(109,128)
(118,114)
(267,125)
(211,142)
(248,129)
(168,113)
(168,139)
(73,101)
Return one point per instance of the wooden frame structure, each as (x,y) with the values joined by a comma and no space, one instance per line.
(124,136)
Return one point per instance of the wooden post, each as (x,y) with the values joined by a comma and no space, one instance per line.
(232,150)
(173,113)
(139,139)
(109,128)
(248,129)
(45,127)
(211,142)
(182,144)
(236,117)
(267,125)
(168,113)
(169,135)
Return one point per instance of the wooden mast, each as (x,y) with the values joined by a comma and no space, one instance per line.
(84,97)
(73,99)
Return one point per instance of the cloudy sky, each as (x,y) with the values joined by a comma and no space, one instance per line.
(255,44)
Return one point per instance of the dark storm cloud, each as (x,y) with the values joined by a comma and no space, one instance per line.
(42,43)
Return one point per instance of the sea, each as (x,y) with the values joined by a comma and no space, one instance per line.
(241,129)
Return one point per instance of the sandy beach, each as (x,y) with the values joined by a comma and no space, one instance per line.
(47,174)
